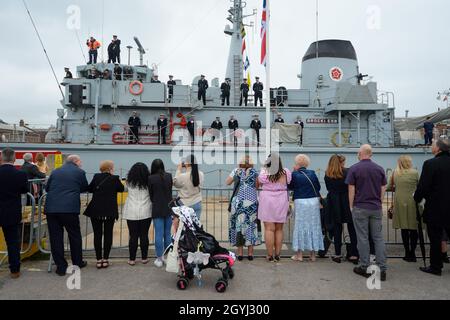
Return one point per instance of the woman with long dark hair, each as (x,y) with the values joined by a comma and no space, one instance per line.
(160,187)
(338,208)
(274,203)
(137,211)
(190,184)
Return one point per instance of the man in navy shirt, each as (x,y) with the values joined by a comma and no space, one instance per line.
(428,127)
(366,187)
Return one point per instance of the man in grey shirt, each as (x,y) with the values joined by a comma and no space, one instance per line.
(366,185)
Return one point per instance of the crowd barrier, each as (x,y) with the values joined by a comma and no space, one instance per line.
(215,219)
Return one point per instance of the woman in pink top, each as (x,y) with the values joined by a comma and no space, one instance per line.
(273,204)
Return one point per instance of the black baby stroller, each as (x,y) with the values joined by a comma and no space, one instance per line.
(197,250)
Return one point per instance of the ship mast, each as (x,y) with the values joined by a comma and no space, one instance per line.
(235,65)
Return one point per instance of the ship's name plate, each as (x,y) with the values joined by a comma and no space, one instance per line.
(321,121)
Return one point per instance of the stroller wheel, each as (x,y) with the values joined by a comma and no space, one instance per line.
(182,283)
(221,286)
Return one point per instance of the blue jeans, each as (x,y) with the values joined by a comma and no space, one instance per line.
(162,234)
(198,209)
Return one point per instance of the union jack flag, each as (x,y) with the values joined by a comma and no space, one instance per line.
(263,33)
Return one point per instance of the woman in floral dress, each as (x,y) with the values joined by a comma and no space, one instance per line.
(244,226)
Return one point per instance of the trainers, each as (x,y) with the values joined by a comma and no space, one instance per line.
(383,276)
(158,263)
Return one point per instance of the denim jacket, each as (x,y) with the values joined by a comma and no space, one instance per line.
(301,185)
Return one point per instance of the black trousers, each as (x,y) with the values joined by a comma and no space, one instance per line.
(57,222)
(258,96)
(245,98)
(134,135)
(139,233)
(428,138)
(337,236)
(409,239)
(202,96)
(435,235)
(191,132)
(12,239)
(170,96)
(227,98)
(257,136)
(93,56)
(103,237)
(162,135)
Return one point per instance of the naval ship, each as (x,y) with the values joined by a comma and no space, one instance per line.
(340,111)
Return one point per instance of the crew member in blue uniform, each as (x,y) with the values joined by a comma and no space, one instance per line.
(233,125)
(244,92)
(202,87)
(279,118)
(256,125)
(225,87)
(162,125)
(191,128)
(134,122)
(428,127)
(170,85)
(302,126)
(216,126)
(258,91)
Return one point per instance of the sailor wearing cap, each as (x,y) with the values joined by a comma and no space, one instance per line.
(244,92)
(256,125)
(117,71)
(162,125)
(155,79)
(134,122)
(279,118)
(68,73)
(170,85)
(225,87)
(258,91)
(114,50)
(202,87)
(302,126)
(233,125)
(216,126)
(191,128)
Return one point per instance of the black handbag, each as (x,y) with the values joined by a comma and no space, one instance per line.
(235,191)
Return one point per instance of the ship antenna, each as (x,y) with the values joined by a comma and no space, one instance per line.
(81,47)
(43,48)
(103,26)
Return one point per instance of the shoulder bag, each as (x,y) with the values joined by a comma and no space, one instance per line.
(322,200)
(172,263)
(235,191)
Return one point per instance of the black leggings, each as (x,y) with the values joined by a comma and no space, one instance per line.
(139,231)
(409,239)
(103,229)
(353,252)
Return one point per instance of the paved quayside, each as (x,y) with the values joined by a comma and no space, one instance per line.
(254,280)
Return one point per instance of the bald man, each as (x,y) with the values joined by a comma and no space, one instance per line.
(62,209)
(366,186)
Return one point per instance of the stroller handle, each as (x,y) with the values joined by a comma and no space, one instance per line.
(176,202)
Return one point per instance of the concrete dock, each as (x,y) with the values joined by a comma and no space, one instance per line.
(253,280)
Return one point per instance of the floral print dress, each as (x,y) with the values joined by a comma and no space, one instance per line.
(244,226)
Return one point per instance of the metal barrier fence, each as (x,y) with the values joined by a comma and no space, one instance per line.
(215,219)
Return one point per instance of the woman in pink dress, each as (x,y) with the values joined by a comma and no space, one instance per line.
(274,204)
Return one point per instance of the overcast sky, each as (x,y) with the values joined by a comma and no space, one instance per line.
(403,44)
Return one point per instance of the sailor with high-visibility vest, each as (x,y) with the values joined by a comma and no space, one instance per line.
(93,49)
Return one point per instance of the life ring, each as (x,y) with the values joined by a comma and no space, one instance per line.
(138,83)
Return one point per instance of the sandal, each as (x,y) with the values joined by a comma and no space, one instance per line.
(131,262)
(105,264)
(145,261)
(277,258)
(269,258)
(336,259)
(99,264)
(296,258)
